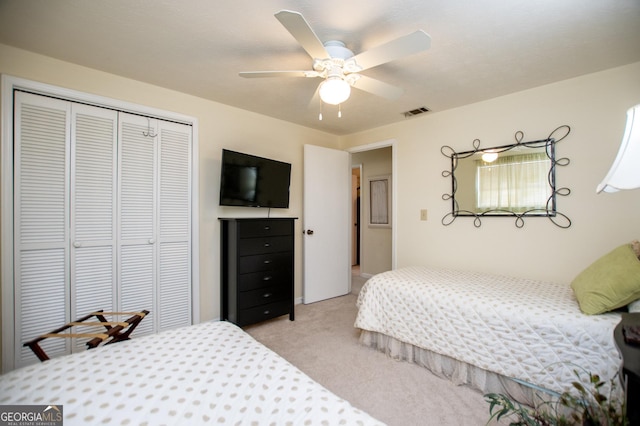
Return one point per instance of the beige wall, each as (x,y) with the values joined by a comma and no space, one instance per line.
(220,127)
(375,252)
(593,105)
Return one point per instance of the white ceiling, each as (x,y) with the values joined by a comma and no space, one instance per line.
(480,49)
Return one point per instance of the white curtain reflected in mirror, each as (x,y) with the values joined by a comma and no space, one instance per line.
(513,181)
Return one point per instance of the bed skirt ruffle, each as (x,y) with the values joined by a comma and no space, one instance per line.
(458,372)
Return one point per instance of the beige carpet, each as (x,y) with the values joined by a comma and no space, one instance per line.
(323,343)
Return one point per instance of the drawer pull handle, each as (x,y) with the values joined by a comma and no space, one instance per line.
(266,262)
(266,228)
(267,295)
(267,245)
(266,278)
(267,312)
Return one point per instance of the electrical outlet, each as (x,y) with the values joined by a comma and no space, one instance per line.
(423,214)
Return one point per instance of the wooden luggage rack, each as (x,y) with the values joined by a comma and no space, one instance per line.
(116,331)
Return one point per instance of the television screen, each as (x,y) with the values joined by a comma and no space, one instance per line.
(251,181)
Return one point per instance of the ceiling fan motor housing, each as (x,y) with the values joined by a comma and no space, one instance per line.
(337,49)
(338,64)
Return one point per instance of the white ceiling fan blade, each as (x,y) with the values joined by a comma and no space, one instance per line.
(260,74)
(378,87)
(314,102)
(404,46)
(295,23)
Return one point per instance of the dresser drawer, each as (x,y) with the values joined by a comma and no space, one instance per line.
(264,312)
(265,228)
(256,280)
(264,296)
(265,262)
(261,245)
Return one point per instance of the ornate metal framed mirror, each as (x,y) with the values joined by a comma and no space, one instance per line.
(514,180)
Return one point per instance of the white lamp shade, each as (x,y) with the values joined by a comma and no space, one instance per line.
(334,91)
(625,171)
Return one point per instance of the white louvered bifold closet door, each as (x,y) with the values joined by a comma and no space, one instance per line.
(41,188)
(94,134)
(102,219)
(174,284)
(155,221)
(138,216)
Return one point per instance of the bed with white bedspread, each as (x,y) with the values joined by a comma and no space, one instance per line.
(208,373)
(484,329)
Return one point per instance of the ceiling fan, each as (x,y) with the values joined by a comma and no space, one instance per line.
(338,66)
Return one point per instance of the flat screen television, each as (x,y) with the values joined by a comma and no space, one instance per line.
(251,181)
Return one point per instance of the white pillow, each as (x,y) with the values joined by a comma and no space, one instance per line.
(634,306)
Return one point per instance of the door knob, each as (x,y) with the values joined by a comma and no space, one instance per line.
(309,231)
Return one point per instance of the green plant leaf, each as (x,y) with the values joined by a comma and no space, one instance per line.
(590,407)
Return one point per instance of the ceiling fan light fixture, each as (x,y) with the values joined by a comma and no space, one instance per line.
(334,91)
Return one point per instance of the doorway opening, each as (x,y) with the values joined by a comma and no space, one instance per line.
(372,243)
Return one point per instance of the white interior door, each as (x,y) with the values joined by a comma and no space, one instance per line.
(326,223)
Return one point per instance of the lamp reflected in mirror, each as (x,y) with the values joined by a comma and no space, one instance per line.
(489,156)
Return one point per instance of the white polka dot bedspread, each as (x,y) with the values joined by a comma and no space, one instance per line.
(211,373)
(529,330)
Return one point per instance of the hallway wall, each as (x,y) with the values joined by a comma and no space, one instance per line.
(376,243)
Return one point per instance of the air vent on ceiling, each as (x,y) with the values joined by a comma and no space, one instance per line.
(416,111)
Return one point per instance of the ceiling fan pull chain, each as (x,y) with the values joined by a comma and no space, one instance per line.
(339,110)
(320,115)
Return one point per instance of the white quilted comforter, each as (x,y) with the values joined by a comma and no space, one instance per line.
(208,373)
(529,330)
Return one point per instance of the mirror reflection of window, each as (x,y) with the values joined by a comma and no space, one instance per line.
(516,182)
(507,181)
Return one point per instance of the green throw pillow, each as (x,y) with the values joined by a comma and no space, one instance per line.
(609,283)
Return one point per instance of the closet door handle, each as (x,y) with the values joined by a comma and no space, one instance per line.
(77,244)
(152,241)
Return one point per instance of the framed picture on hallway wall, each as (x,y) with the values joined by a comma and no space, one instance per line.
(380,201)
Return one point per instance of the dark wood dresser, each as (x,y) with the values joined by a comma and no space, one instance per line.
(630,369)
(257,263)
